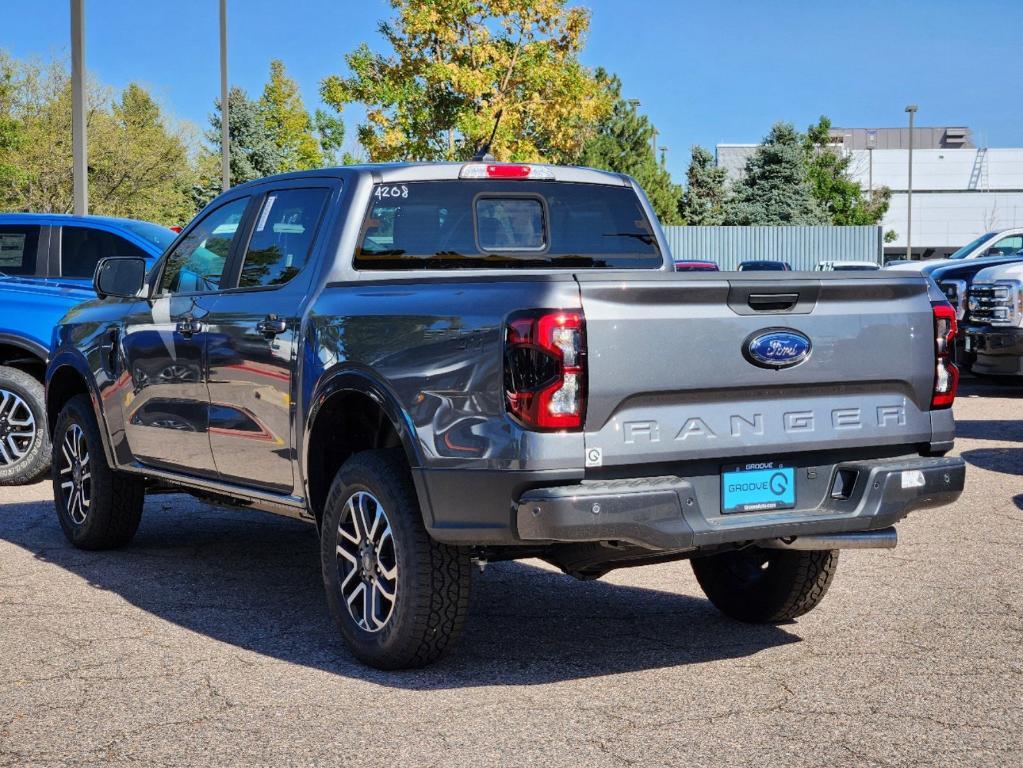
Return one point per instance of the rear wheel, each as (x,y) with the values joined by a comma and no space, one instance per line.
(766,585)
(24,443)
(398,598)
(98,508)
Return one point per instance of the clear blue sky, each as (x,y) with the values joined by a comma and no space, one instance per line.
(705,72)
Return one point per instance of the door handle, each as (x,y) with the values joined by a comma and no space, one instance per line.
(271,325)
(188,327)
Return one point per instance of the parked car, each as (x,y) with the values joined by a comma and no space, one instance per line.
(954,280)
(847,266)
(696,265)
(991,245)
(441,364)
(46,266)
(764,265)
(994,320)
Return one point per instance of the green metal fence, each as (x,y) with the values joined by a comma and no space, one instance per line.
(802,247)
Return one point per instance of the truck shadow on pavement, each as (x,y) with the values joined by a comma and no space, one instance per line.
(972,386)
(252,580)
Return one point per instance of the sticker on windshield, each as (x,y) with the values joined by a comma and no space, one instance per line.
(266,212)
(396,190)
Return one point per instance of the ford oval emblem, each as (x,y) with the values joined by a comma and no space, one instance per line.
(777,348)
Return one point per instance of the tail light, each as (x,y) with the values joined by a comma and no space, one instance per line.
(545,369)
(946,374)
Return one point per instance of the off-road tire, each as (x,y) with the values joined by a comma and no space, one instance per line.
(115,499)
(33,466)
(766,586)
(432,582)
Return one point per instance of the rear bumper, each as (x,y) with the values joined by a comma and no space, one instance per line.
(665,513)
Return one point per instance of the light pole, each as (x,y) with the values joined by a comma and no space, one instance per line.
(225,136)
(79,148)
(911,109)
(871,141)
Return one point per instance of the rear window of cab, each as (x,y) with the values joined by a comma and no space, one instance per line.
(481,224)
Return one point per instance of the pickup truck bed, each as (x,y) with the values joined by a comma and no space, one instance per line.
(488,361)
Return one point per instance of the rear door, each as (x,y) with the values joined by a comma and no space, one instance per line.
(81,247)
(22,249)
(671,376)
(253,337)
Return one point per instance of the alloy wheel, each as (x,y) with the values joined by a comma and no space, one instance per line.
(367,565)
(75,474)
(17,428)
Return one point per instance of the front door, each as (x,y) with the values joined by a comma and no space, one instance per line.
(252,342)
(166,407)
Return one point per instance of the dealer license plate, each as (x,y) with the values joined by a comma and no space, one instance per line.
(757,487)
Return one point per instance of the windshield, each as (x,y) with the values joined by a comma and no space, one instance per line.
(965,251)
(469,224)
(159,236)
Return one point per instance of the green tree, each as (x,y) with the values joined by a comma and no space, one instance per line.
(706,192)
(456,64)
(254,151)
(138,160)
(288,123)
(839,196)
(774,189)
(138,166)
(621,141)
(10,127)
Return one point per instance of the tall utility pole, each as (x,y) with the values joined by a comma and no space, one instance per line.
(79,161)
(225,135)
(911,109)
(871,141)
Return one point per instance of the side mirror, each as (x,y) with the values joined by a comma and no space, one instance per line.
(119,276)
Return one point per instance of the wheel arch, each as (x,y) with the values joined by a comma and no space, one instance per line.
(67,376)
(25,354)
(357,407)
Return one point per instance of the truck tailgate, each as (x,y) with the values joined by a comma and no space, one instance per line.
(670,376)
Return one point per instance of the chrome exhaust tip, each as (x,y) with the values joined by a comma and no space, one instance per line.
(886,538)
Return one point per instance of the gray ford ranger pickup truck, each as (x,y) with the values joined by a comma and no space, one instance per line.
(447,364)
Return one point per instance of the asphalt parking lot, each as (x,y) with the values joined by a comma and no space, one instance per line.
(208,642)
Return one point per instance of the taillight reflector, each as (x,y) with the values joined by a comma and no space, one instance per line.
(946,373)
(545,369)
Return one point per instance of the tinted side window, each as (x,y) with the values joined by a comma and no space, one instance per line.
(197,263)
(82,247)
(283,236)
(19,245)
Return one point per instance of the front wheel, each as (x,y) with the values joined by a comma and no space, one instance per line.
(766,585)
(98,508)
(398,598)
(24,443)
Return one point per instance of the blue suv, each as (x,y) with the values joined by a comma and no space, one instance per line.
(46,267)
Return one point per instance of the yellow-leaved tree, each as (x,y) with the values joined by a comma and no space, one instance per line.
(455,64)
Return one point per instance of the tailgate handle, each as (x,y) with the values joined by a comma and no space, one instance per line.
(772,302)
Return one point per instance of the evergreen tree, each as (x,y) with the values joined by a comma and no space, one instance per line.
(828,173)
(288,123)
(622,142)
(254,152)
(704,200)
(774,189)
